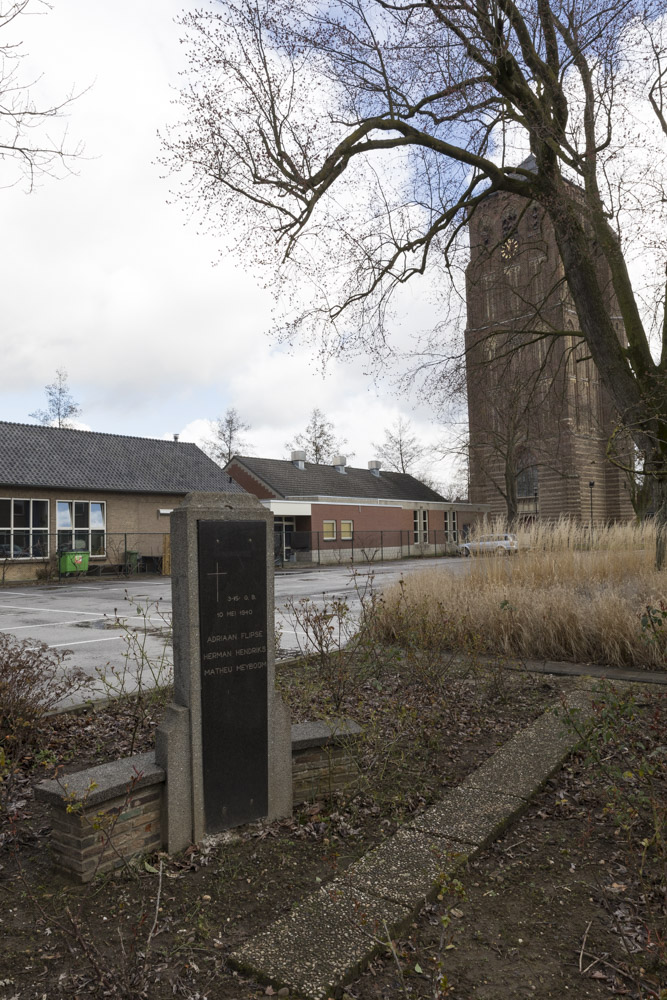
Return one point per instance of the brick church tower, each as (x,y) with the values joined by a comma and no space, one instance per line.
(540,421)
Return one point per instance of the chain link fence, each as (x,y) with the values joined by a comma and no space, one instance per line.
(44,556)
(317,548)
(63,555)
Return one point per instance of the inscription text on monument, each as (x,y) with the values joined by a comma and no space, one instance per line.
(233,637)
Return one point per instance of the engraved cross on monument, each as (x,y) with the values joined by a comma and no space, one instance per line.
(225,742)
(217,574)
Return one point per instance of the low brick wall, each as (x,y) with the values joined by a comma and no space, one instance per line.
(105,815)
(323,758)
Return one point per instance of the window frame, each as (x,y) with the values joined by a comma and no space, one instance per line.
(420,526)
(73,530)
(344,537)
(12,530)
(527,478)
(331,537)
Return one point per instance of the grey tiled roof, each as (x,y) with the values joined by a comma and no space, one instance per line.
(286,480)
(56,458)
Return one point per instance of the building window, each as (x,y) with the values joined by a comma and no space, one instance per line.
(24,529)
(527,477)
(535,219)
(81,526)
(455,528)
(509,224)
(420,526)
(346,531)
(489,296)
(446,525)
(329,531)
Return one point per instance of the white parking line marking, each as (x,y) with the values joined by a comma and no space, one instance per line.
(108,590)
(51,611)
(19,593)
(84,642)
(17,628)
(81,621)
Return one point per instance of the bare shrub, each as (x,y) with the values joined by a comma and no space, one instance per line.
(33,682)
(145,675)
(49,569)
(346,643)
(327,627)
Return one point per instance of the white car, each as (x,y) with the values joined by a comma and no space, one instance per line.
(503,544)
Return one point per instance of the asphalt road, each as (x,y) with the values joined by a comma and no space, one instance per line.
(94,618)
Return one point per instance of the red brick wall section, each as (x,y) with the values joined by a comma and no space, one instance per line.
(375,518)
(249,483)
(364,518)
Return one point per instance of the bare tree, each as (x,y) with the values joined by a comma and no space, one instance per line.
(228,437)
(319,440)
(456,485)
(24,142)
(375,128)
(401,449)
(503,457)
(60,408)
(519,410)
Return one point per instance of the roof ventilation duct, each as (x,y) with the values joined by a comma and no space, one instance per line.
(339,462)
(375,467)
(299,459)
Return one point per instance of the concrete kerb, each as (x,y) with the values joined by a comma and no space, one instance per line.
(326,940)
(563,668)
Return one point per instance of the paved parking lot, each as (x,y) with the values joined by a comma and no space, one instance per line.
(84,616)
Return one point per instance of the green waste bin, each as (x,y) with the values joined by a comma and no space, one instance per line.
(74,562)
(131,562)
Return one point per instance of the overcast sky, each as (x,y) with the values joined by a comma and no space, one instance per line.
(105,277)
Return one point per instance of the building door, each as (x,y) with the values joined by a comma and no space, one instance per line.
(283,527)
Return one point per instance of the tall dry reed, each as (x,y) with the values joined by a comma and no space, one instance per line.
(564,596)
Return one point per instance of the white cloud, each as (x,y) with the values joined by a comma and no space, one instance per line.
(105,276)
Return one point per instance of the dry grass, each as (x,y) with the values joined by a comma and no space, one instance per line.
(559,599)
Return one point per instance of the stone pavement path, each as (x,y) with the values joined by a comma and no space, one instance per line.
(327,939)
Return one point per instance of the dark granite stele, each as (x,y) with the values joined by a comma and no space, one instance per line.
(232,588)
(224,740)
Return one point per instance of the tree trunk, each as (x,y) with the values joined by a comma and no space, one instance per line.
(511,496)
(660,515)
(639,396)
